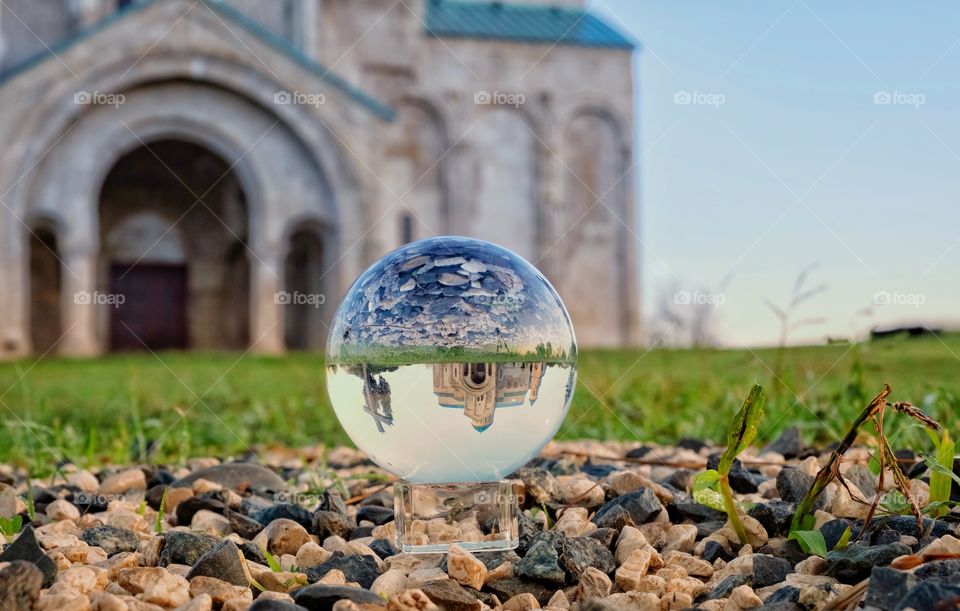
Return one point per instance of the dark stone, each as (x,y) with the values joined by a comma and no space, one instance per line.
(326,523)
(680,479)
(505,589)
(189,507)
(598,471)
(113,540)
(246,527)
(887,587)
(322,597)
(20,585)
(528,531)
(615,518)
(235,476)
(793,484)
(564,466)
(744,481)
(362,569)
(642,505)
(26,548)
(865,480)
(541,562)
(884,537)
(185,547)
(361,532)
(728,585)
(713,550)
(449,594)
(692,443)
(786,594)
(579,553)
(376,514)
(604,535)
(88,502)
(272,604)
(154,495)
(705,529)
(789,550)
(253,553)
(299,514)
(685,508)
(782,606)
(768,570)
(331,501)
(939,568)
(383,548)
(41,495)
(638,452)
(789,443)
(161,477)
(253,504)
(937,593)
(774,516)
(855,561)
(222,562)
(907,525)
(540,485)
(834,529)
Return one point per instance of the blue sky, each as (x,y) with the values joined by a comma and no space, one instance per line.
(817,133)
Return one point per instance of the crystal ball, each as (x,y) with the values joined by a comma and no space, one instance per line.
(451,360)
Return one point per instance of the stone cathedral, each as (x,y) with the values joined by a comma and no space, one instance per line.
(213,174)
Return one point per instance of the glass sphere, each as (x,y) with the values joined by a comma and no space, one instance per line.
(451,360)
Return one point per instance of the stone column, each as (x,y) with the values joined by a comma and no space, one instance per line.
(310,28)
(266,307)
(78,303)
(15,280)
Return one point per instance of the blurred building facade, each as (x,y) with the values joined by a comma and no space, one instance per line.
(213,175)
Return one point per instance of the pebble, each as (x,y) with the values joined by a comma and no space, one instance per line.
(125,481)
(465,568)
(609,545)
(155,585)
(62,509)
(282,536)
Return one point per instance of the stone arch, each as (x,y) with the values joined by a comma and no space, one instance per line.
(507,158)
(416,168)
(322,137)
(75,147)
(595,237)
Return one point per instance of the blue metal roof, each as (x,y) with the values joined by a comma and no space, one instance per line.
(521,22)
(279,43)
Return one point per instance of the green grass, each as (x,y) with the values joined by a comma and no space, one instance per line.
(92,411)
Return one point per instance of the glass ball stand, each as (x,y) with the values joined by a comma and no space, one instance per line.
(478,516)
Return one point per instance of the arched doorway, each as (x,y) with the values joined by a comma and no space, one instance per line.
(303,298)
(174,226)
(45,294)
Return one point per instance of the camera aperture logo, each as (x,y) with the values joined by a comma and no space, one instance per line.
(899,98)
(898,298)
(299,98)
(114,300)
(314,300)
(499,98)
(699,98)
(98,98)
(698,298)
